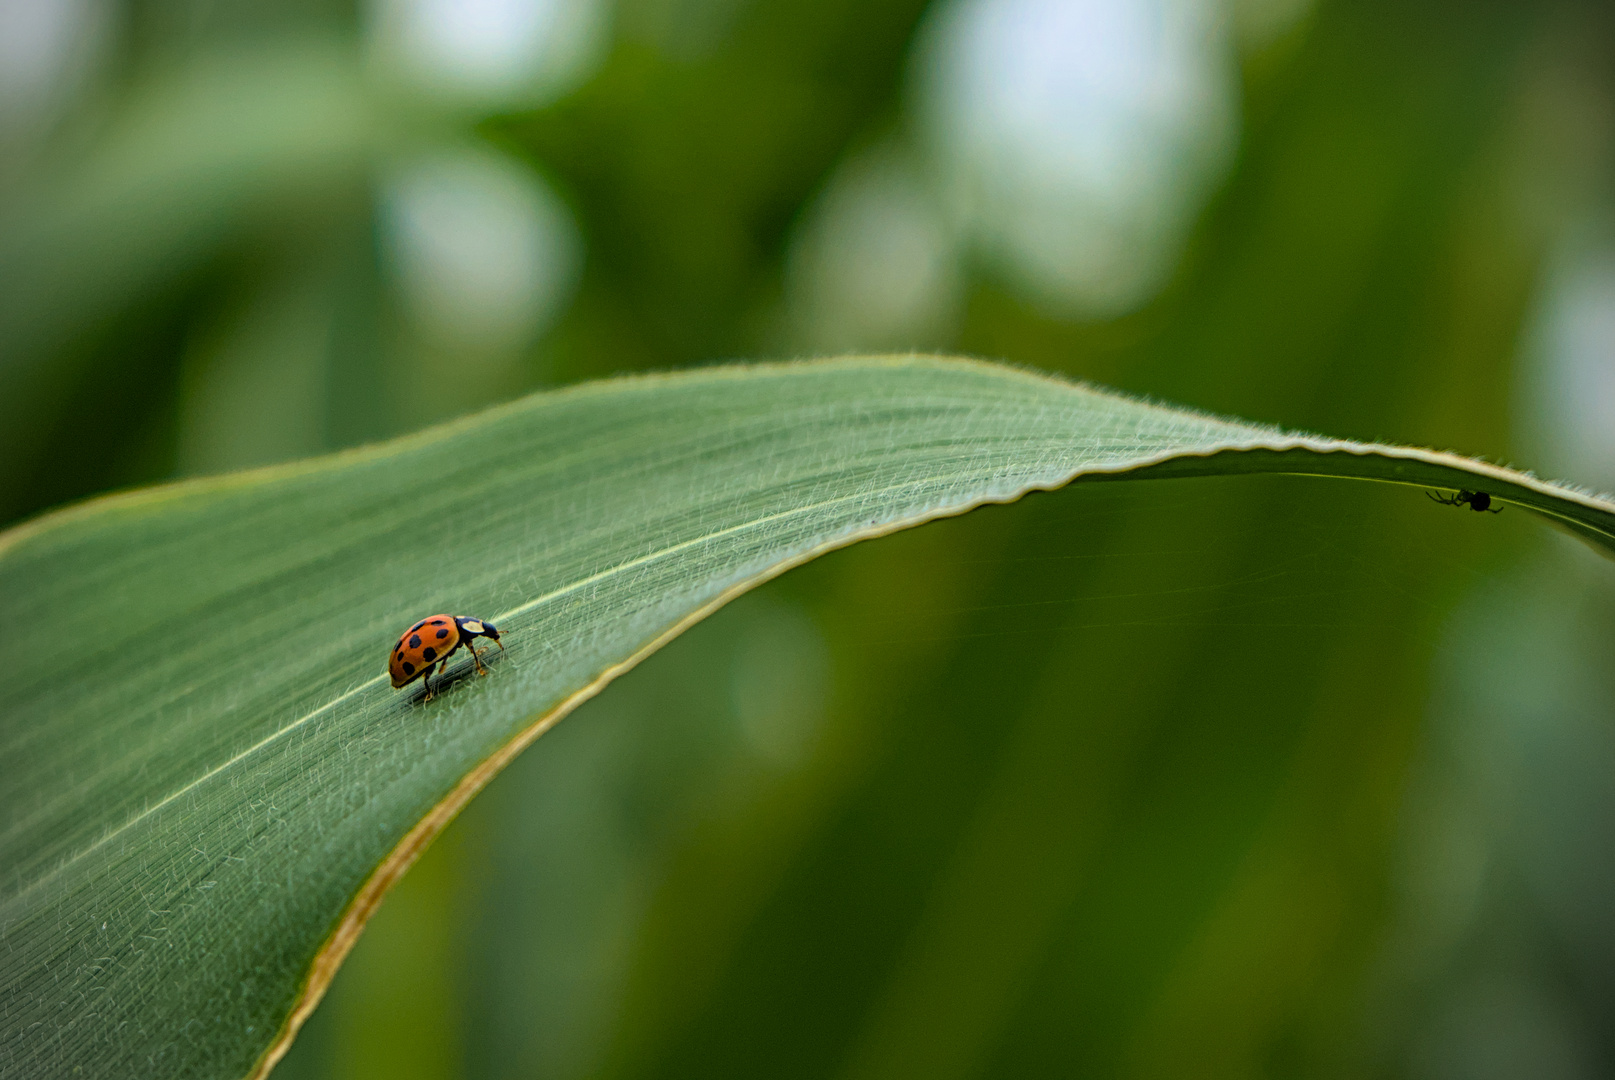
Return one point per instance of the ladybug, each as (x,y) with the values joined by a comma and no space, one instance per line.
(430,642)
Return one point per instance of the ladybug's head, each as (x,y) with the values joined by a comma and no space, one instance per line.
(474,628)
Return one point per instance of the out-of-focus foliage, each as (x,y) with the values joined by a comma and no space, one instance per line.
(1349,820)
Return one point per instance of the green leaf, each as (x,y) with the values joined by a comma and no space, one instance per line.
(210,782)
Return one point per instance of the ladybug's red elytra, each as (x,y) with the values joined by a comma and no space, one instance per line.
(430,642)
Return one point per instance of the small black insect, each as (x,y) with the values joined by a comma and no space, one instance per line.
(1478,501)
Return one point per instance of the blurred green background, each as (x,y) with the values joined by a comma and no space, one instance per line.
(1240,778)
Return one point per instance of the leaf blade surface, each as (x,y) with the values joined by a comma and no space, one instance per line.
(210,783)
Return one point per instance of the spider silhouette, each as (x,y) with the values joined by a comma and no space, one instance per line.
(1478,501)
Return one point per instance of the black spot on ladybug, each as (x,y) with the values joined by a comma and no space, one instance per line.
(414,641)
(417,626)
(439,622)
(399,655)
(409,668)
(441,634)
(429,652)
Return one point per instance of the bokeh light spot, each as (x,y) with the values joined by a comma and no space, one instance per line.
(1574,343)
(492,49)
(484,253)
(1078,138)
(872,264)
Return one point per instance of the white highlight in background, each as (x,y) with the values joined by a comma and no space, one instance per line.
(45,47)
(872,264)
(1078,139)
(1573,342)
(491,50)
(484,253)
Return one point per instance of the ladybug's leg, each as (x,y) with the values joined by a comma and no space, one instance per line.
(476,657)
(438,669)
